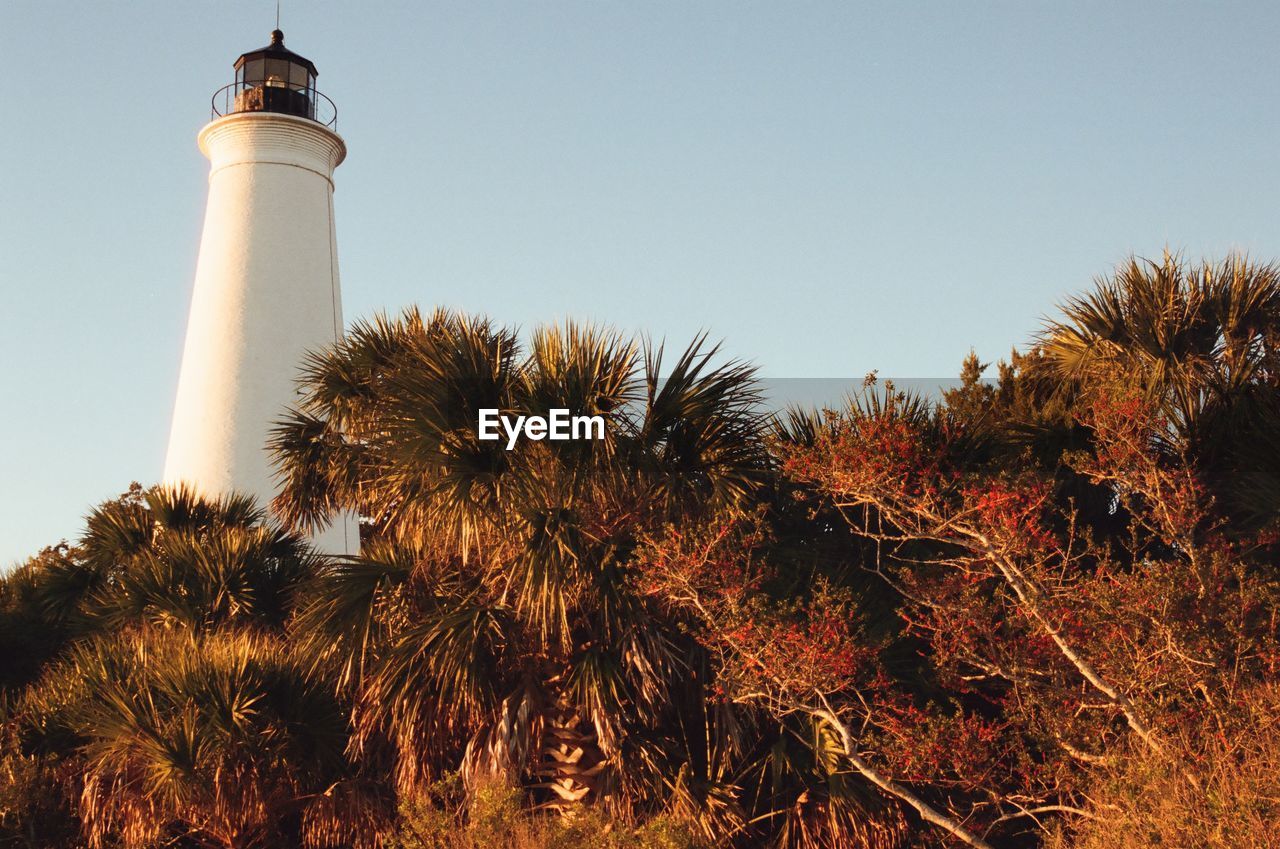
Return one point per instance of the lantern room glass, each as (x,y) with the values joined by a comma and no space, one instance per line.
(275,79)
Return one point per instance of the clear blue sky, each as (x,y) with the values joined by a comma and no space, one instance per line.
(830,187)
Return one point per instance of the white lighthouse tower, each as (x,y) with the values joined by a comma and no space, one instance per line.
(266,287)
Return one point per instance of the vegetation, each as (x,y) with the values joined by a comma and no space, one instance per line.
(1040,611)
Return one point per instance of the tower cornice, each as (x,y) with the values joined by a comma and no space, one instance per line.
(271,138)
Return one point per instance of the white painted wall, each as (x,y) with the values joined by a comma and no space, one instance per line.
(266,292)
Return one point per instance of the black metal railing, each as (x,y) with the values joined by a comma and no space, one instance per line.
(274,96)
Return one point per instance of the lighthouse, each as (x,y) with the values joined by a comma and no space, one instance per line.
(266,285)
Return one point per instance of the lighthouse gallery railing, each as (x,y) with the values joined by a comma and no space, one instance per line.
(275,96)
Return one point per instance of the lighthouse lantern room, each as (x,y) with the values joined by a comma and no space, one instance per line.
(275,79)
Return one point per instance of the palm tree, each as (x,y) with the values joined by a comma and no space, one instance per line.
(493,619)
(159,631)
(220,740)
(169,557)
(1202,343)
